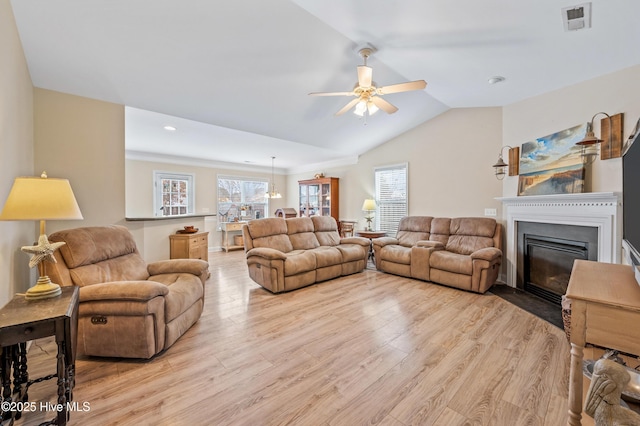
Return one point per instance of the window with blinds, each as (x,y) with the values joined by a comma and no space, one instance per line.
(391,197)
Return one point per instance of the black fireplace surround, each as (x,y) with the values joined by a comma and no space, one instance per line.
(546,252)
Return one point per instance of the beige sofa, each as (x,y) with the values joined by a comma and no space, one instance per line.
(127,309)
(465,252)
(286,254)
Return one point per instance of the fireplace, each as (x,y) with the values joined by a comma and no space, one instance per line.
(546,253)
(599,211)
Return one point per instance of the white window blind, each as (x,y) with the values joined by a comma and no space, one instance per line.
(391,197)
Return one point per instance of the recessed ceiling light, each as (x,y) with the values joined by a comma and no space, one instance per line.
(170,128)
(496,79)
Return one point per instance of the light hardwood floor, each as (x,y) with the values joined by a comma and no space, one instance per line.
(370,348)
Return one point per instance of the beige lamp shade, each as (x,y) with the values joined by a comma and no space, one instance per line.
(40,198)
(369,205)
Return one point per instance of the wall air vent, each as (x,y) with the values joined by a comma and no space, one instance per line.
(577,17)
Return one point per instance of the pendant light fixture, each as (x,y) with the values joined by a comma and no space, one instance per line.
(274,192)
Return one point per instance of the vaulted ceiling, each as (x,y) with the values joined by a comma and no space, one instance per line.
(233,76)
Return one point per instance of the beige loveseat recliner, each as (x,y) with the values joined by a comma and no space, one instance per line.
(464,252)
(127,309)
(286,254)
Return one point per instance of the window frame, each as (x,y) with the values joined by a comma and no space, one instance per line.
(390,225)
(262,180)
(158,177)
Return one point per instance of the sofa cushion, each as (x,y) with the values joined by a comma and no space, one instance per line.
(412,229)
(451,262)
(470,234)
(85,246)
(300,231)
(326,230)
(352,252)
(270,232)
(440,229)
(130,267)
(327,256)
(299,261)
(396,254)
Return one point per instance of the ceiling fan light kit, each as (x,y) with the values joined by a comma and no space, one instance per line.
(367,96)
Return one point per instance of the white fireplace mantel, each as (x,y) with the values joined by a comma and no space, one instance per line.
(595,209)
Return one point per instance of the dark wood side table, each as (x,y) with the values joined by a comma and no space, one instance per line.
(22,320)
(371,235)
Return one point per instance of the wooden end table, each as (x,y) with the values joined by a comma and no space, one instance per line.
(22,320)
(605,311)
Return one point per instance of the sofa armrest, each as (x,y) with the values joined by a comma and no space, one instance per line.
(486,268)
(173,266)
(421,258)
(266,253)
(364,242)
(383,241)
(489,254)
(139,291)
(436,245)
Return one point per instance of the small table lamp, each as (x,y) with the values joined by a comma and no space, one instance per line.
(369,206)
(41,198)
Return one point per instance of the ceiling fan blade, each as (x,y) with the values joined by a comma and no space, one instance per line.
(383,105)
(331,94)
(402,87)
(365,74)
(348,106)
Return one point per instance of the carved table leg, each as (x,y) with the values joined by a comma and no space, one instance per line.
(6,356)
(62,385)
(20,375)
(578,341)
(575,387)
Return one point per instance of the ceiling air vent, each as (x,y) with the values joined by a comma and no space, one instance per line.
(577,17)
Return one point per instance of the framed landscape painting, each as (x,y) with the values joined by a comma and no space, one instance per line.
(552,164)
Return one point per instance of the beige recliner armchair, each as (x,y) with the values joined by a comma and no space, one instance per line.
(127,309)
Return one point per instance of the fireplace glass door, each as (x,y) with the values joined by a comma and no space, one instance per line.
(548,264)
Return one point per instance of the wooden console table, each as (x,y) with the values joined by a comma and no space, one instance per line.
(605,311)
(227,228)
(22,320)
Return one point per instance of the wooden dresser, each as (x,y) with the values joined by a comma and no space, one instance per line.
(190,246)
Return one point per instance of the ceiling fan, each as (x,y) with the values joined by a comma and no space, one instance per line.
(367,95)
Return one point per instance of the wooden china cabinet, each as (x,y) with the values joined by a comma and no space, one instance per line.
(319,197)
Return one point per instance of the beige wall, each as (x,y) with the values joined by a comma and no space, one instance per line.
(16,154)
(82,140)
(139,186)
(153,235)
(449,161)
(542,115)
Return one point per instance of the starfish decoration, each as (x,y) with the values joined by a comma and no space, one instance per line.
(43,251)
